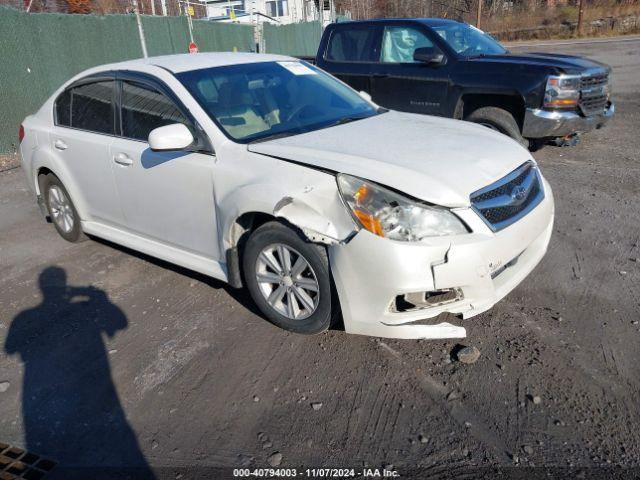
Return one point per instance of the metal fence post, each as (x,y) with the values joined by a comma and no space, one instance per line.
(143,42)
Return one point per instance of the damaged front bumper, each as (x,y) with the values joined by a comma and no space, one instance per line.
(539,123)
(395,289)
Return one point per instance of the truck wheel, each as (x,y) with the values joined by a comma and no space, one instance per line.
(61,209)
(499,120)
(288,279)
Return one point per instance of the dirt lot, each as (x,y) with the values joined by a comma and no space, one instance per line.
(8,161)
(142,364)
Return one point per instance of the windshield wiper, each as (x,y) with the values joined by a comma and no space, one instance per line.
(344,120)
(340,121)
(273,136)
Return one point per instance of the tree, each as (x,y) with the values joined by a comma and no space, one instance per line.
(79,6)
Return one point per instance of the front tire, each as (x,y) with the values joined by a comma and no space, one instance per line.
(288,279)
(63,213)
(499,120)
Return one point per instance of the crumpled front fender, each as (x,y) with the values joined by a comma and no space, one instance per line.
(316,209)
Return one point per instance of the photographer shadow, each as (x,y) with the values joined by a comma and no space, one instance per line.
(71,409)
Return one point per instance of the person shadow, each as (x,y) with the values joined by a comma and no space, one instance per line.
(71,410)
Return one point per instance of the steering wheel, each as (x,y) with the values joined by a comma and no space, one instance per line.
(468,50)
(298,111)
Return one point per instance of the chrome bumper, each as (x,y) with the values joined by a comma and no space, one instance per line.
(544,123)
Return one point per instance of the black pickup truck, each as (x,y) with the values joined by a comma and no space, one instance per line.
(449,68)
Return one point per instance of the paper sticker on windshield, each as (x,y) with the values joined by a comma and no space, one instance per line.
(297,68)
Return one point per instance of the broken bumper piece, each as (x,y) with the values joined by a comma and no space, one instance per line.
(397,289)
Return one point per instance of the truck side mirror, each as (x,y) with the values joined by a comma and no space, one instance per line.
(428,55)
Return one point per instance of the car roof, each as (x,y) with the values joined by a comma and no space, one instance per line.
(430,22)
(190,61)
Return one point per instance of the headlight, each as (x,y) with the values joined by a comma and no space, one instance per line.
(391,215)
(562,91)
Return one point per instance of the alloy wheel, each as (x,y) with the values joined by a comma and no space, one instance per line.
(60,209)
(287,281)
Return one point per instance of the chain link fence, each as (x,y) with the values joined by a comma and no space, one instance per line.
(39,52)
(297,39)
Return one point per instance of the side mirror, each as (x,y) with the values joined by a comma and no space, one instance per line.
(428,55)
(170,137)
(366,96)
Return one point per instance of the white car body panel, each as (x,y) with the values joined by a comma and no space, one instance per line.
(90,165)
(405,151)
(184,207)
(155,202)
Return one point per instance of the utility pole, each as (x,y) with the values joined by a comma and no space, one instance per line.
(163,5)
(580,16)
(479,17)
(189,24)
(143,42)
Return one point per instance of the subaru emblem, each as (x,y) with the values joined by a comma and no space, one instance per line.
(518,193)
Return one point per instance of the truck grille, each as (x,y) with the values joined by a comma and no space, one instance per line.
(510,198)
(594,93)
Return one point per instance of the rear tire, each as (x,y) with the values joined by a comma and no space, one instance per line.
(288,279)
(499,120)
(62,211)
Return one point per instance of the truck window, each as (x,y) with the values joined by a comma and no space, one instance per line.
(470,41)
(399,44)
(351,44)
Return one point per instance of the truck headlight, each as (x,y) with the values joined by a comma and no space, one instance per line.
(391,215)
(562,91)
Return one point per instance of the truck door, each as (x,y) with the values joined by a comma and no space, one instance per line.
(350,53)
(401,83)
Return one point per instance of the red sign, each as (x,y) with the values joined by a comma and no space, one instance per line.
(193,48)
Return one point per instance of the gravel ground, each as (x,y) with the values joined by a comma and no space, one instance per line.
(8,161)
(139,363)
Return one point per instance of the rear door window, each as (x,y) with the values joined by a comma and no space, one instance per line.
(144,109)
(350,44)
(87,107)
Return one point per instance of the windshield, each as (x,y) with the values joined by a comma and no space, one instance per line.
(259,100)
(469,41)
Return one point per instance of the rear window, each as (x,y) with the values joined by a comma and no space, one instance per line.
(352,45)
(87,107)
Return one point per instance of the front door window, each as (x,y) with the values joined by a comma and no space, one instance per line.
(399,44)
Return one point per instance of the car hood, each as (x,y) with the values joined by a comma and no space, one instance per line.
(438,160)
(566,63)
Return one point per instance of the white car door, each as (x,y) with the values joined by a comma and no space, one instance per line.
(165,196)
(81,137)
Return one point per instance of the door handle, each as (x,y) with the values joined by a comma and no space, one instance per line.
(60,145)
(123,159)
(380,75)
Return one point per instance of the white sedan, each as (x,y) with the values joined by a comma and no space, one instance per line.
(265,172)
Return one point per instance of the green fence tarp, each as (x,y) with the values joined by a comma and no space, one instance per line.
(297,39)
(39,52)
